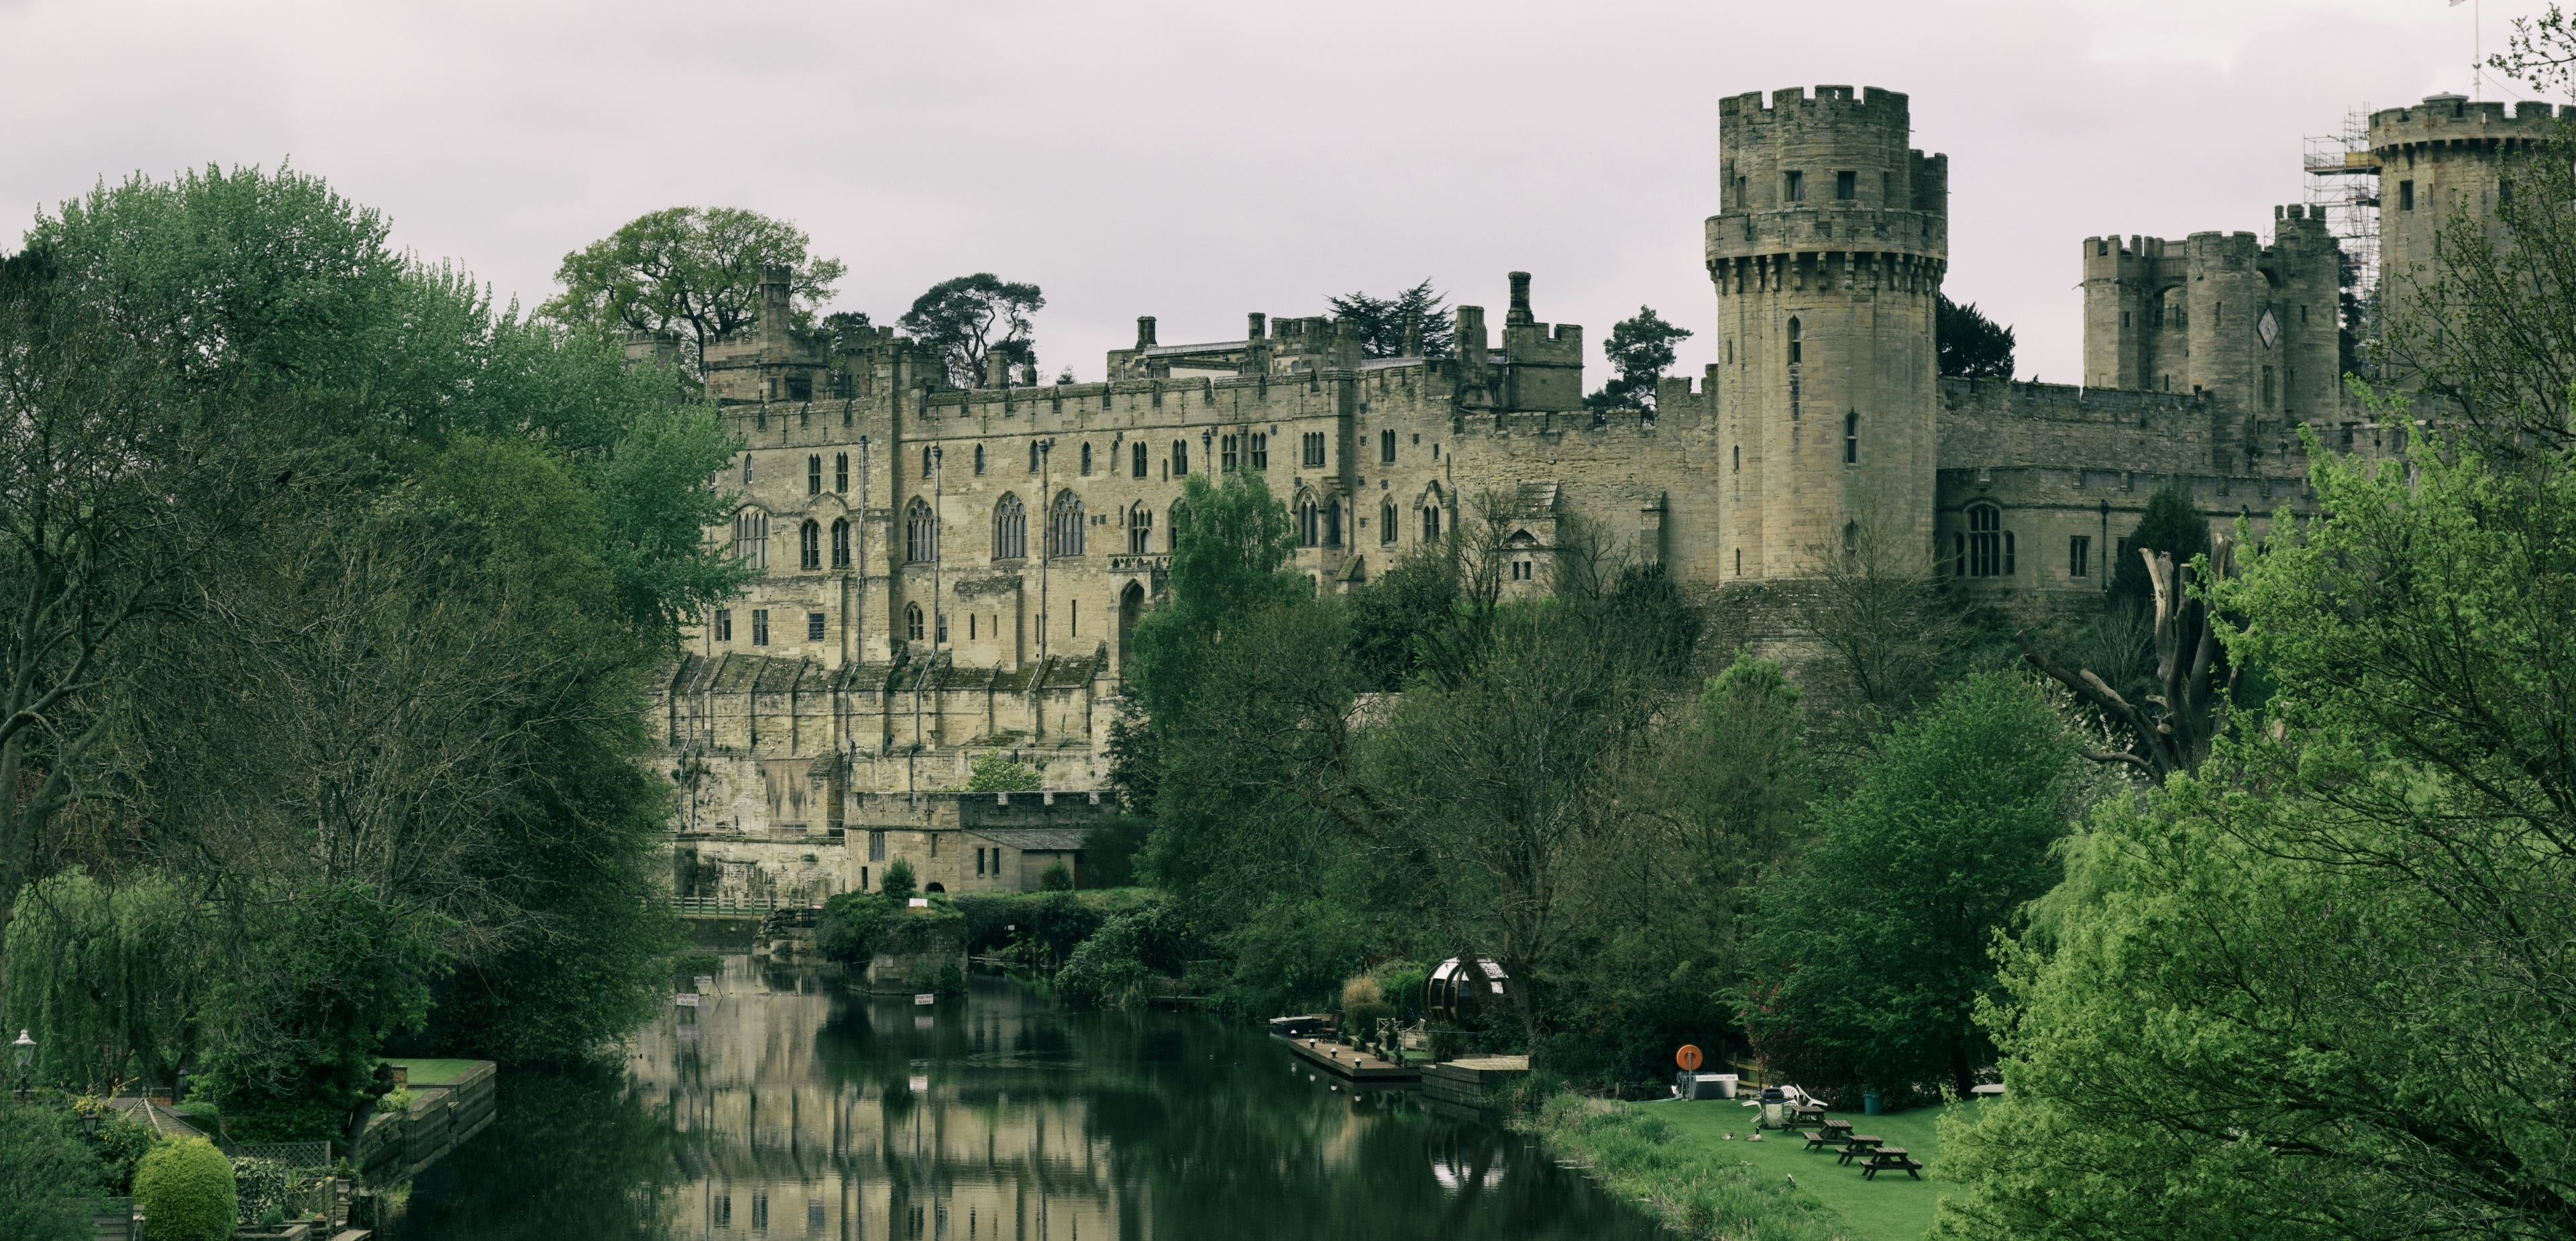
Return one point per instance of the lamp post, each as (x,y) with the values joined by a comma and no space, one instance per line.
(25,1046)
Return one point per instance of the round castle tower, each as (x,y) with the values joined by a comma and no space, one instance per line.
(2440,157)
(1827,250)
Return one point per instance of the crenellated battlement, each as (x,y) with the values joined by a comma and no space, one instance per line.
(2444,119)
(1832,105)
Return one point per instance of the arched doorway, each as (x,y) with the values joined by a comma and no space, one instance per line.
(935,886)
(1131,605)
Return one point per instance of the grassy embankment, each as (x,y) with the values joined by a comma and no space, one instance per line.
(1674,1157)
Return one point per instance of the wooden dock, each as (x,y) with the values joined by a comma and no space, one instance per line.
(1349,1063)
(1456,1088)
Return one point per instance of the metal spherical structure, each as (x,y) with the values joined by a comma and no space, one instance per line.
(1461,987)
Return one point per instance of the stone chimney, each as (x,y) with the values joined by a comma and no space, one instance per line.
(1520,311)
(1144,331)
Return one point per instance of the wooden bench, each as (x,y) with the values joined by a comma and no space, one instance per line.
(1816,1139)
(1888,1158)
(1859,1144)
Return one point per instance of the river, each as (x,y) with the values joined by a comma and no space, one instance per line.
(788,1107)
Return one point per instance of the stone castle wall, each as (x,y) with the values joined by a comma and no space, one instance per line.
(947,573)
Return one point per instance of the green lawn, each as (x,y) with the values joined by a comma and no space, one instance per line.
(1892,1207)
(433,1072)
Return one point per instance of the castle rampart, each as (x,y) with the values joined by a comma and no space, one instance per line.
(945,573)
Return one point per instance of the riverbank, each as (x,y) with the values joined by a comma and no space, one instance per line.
(1677,1159)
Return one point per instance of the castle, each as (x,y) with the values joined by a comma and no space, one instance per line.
(945,573)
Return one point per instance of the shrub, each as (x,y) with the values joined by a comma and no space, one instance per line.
(850,926)
(1056,878)
(44,1175)
(186,1189)
(1363,1003)
(260,1188)
(122,1142)
(1110,967)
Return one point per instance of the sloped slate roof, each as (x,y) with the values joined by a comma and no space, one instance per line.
(1038,839)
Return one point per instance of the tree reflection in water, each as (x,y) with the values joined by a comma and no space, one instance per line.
(791,1107)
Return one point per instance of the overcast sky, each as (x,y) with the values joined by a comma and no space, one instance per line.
(1196,161)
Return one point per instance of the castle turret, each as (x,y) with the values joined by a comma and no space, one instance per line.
(2441,157)
(1828,252)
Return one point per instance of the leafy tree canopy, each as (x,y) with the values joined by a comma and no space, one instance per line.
(1972,346)
(1869,956)
(974,318)
(691,270)
(1385,325)
(2313,991)
(1640,350)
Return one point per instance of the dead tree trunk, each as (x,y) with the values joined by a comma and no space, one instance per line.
(2171,730)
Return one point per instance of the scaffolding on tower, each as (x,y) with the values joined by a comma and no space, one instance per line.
(2343,185)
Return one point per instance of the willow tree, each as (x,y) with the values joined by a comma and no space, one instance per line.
(107,977)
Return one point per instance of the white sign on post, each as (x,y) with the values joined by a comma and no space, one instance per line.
(688,999)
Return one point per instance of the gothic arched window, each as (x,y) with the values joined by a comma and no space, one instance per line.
(751,538)
(1310,524)
(1010,529)
(912,621)
(1086,461)
(979,459)
(1140,530)
(1333,523)
(1065,532)
(1386,530)
(1797,347)
(841,543)
(920,532)
(1989,546)
(809,546)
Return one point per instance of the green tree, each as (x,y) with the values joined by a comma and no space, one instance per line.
(107,976)
(1870,952)
(692,270)
(974,318)
(1413,323)
(1972,346)
(2314,991)
(1415,595)
(1639,351)
(464,540)
(1233,543)
(46,1175)
(895,882)
(2172,525)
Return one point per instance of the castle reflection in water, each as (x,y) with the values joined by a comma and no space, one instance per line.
(822,1113)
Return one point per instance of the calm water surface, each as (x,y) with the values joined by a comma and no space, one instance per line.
(790,1108)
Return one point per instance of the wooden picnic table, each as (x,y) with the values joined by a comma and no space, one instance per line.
(1836,1128)
(1859,1144)
(1890,1157)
